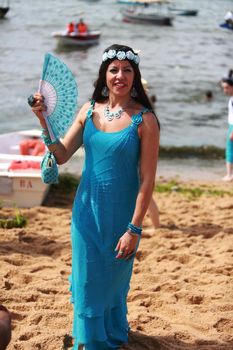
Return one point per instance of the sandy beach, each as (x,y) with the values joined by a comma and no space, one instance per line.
(181,290)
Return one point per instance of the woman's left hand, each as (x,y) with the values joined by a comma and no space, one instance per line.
(126,246)
(231,136)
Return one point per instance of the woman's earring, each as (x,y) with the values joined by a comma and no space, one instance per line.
(133,92)
(105,92)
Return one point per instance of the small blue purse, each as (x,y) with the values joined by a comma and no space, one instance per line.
(49,169)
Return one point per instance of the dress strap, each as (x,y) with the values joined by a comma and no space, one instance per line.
(137,118)
(90,110)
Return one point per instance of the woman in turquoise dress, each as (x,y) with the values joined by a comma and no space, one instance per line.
(120,134)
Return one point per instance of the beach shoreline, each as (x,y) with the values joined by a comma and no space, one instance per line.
(181,289)
(184,169)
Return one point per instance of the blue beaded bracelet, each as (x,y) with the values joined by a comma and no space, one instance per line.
(134,229)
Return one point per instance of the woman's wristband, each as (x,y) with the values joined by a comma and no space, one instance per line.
(46,138)
(134,229)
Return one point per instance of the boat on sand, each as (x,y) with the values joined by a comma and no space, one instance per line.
(20,175)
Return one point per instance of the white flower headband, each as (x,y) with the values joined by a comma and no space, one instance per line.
(121,55)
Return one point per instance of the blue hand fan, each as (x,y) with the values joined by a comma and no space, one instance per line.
(59,88)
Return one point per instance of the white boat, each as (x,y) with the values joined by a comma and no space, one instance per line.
(139,11)
(20,187)
(80,40)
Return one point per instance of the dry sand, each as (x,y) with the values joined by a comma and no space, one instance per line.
(181,291)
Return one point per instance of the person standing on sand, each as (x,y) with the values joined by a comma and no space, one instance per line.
(227,85)
(5,327)
(120,133)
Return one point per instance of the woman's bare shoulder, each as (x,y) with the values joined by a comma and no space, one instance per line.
(83,110)
(85,107)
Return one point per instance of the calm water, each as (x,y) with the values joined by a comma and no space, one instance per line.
(179,62)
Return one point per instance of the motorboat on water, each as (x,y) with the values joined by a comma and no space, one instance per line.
(79,40)
(20,175)
(183,12)
(139,11)
(146,18)
(4,9)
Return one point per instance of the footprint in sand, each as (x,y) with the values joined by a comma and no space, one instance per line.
(196,299)
(8,285)
(141,255)
(224,325)
(32,298)
(26,336)
(14,262)
(142,298)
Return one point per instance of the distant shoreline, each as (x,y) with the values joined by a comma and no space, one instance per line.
(204,152)
(191,169)
(184,168)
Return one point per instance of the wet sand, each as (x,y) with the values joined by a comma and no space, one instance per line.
(181,290)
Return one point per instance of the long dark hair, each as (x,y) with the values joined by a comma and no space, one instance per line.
(100,83)
(229,78)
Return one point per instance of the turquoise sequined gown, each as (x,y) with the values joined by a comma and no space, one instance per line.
(103,207)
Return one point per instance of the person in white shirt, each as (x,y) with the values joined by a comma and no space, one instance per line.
(228,18)
(227,85)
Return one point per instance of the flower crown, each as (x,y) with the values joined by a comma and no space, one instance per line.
(121,55)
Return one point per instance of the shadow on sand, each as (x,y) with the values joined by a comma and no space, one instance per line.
(140,341)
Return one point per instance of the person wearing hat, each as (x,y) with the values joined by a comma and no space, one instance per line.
(227,86)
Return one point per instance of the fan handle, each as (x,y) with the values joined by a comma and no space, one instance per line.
(51,133)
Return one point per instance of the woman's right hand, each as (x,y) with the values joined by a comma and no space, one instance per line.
(39,106)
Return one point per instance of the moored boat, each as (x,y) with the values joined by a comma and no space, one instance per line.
(4,8)
(83,39)
(141,11)
(3,11)
(183,12)
(20,175)
(146,18)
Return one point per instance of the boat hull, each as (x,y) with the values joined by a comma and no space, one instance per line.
(183,12)
(81,40)
(22,190)
(3,11)
(147,18)
(21,187)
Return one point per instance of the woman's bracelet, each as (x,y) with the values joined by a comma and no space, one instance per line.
(134,229)
(46,138)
